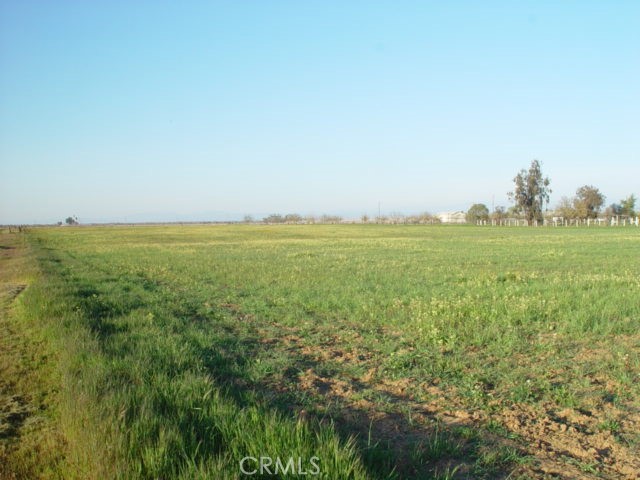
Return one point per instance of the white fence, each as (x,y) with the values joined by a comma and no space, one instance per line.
(565,222)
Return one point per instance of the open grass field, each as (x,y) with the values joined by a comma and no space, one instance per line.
(384,351)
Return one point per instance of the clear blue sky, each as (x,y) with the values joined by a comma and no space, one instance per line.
(121,110)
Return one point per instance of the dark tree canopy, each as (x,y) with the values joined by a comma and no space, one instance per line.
(628,205)
(588,202)
(531,192)
(478,211)
(613,210)
(625,207)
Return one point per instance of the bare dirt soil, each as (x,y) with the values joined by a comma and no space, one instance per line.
(561,443)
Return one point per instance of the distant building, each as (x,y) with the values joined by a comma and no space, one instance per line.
(452,217)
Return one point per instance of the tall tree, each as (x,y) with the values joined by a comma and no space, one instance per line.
(531,192)
(588,202)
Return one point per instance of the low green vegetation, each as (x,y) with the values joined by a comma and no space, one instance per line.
(384,351)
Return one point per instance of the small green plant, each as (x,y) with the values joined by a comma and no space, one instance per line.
(610,425)
(494,460)
(448,473)
(564,396)
(497,428)
(586,467)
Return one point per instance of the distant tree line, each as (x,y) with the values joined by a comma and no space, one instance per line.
(394,218)
(588,203)
(294,218)
(531,194)
(397,218)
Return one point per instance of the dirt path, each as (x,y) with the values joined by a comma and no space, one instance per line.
(30,446)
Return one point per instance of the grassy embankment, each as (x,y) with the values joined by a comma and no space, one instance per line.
(480,351)
(31,445)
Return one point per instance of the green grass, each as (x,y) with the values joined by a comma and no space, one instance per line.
(189,348)
(30,442)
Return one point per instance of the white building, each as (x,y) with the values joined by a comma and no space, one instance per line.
(452,217)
